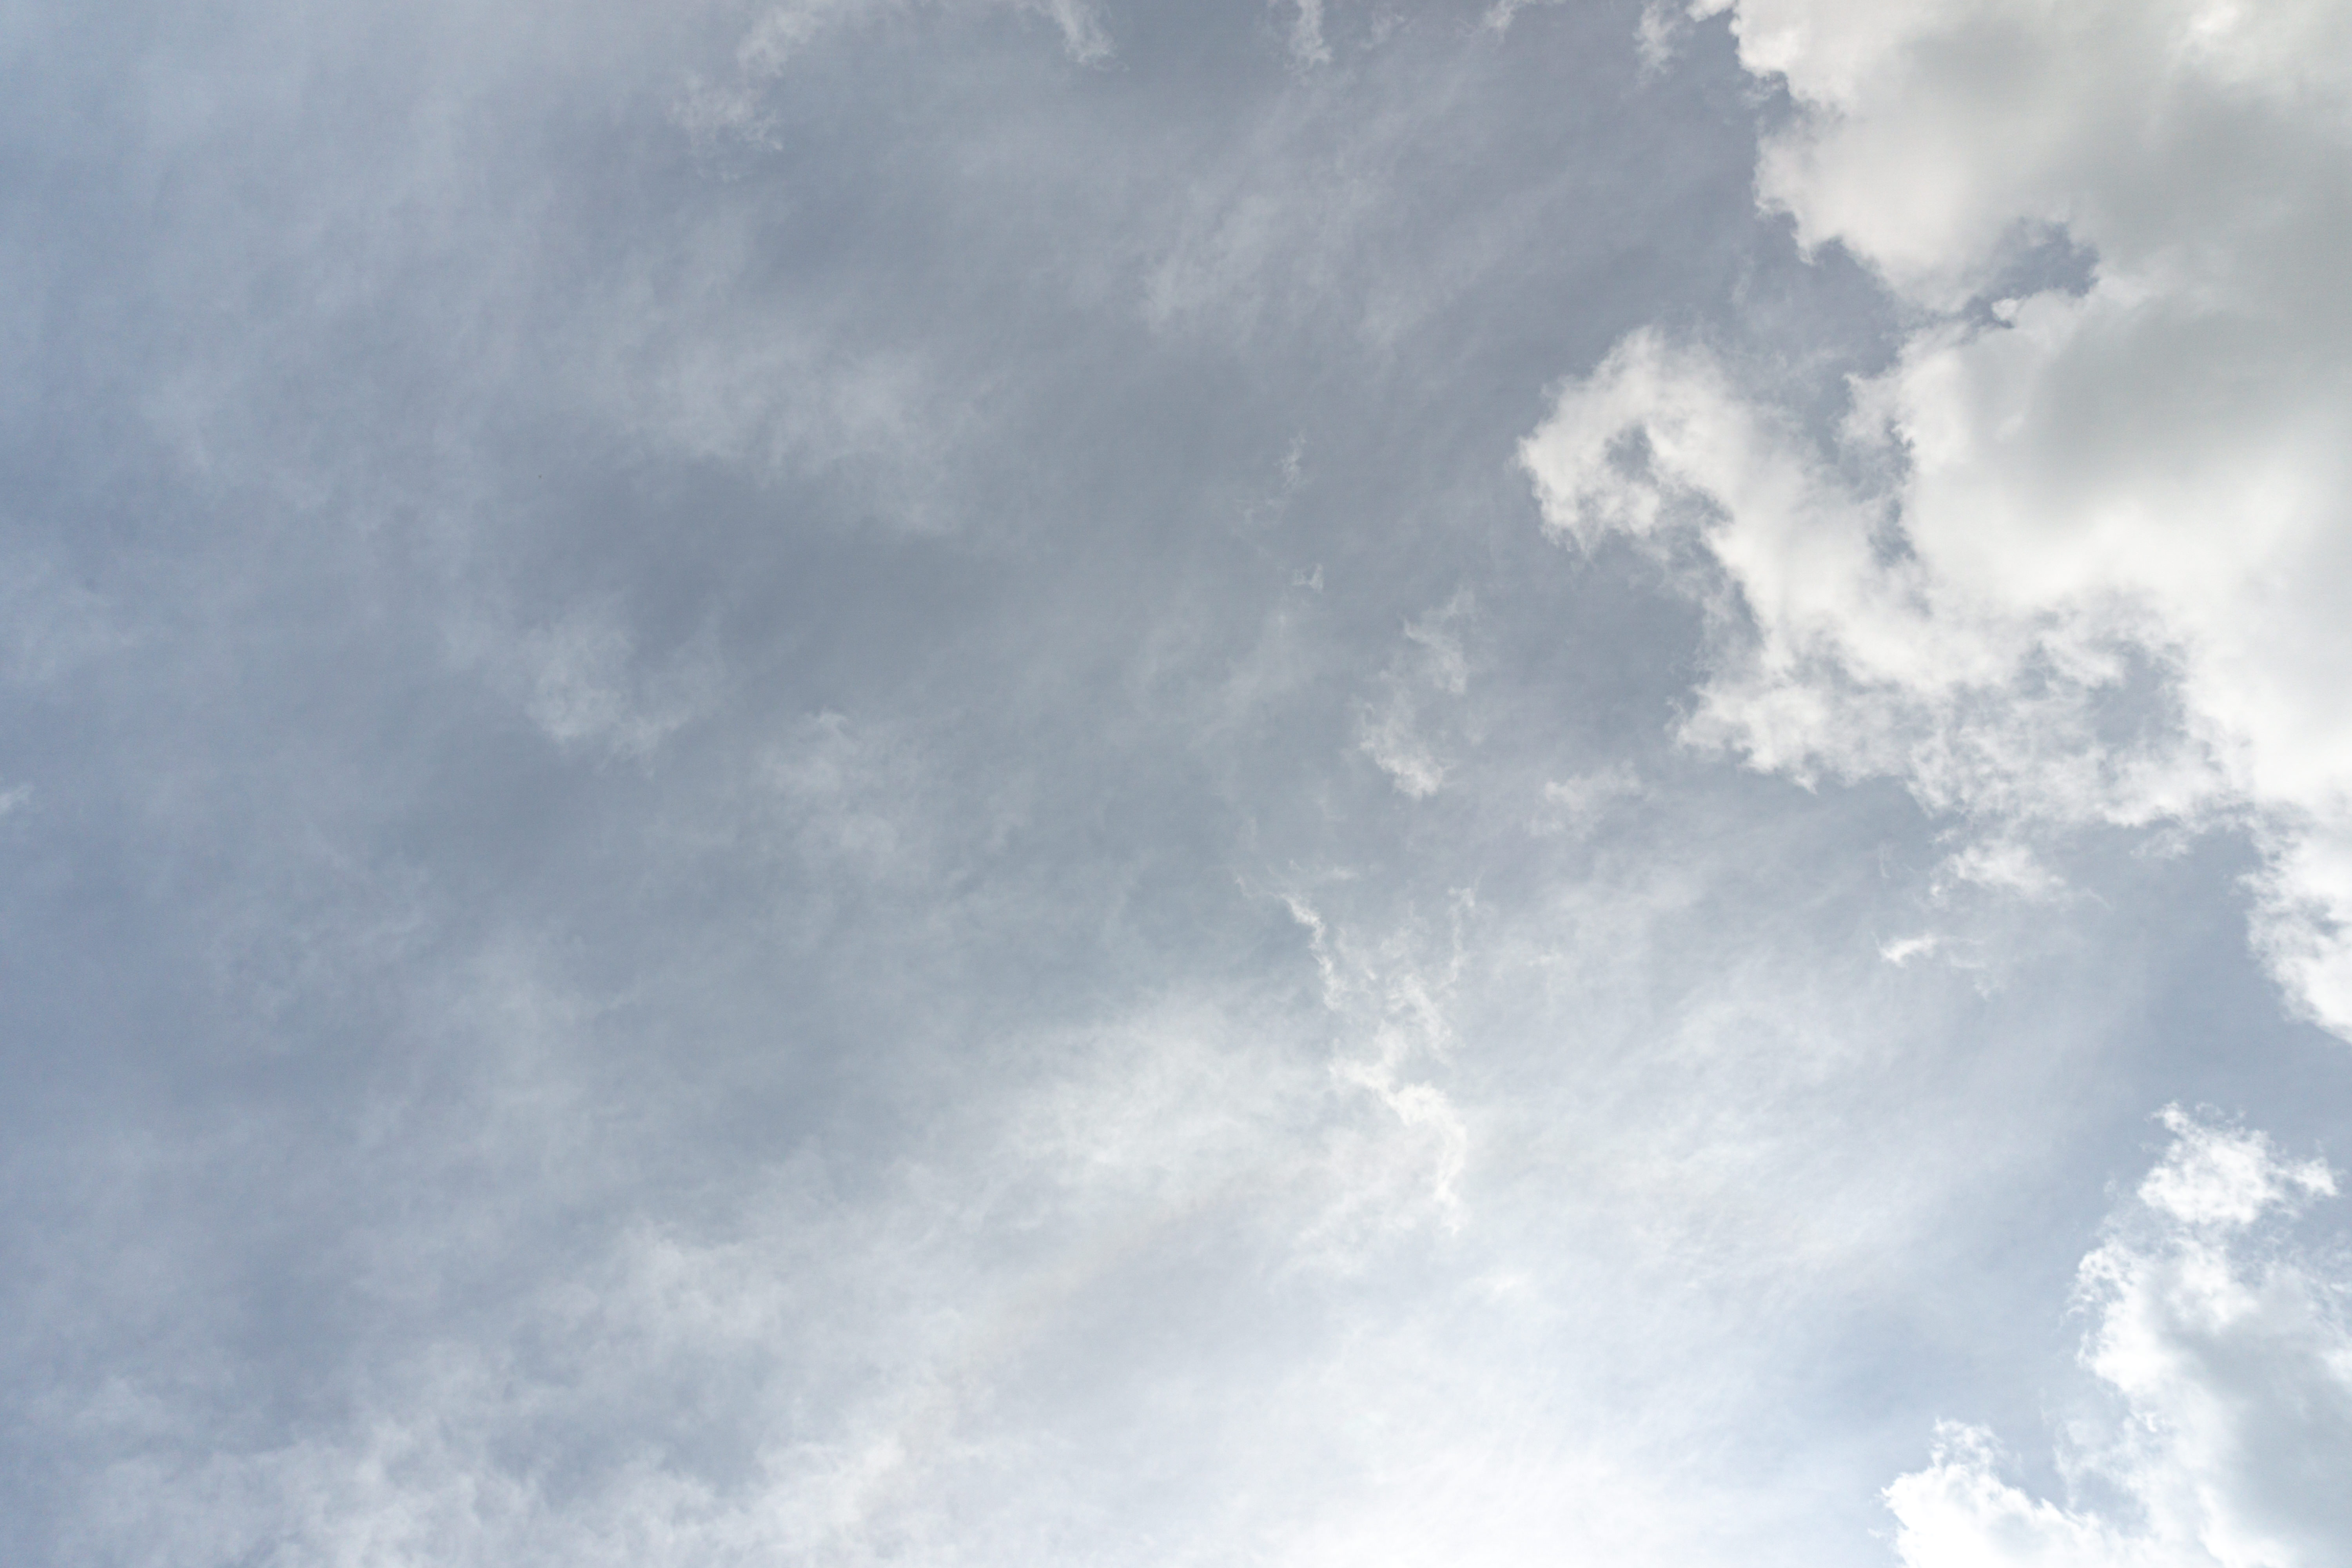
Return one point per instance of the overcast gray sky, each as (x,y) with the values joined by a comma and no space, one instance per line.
(1111,781)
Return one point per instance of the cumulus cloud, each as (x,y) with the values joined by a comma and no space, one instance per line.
(2228,1360)
(2076,555)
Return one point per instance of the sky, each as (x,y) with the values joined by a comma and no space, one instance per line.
(1325,784)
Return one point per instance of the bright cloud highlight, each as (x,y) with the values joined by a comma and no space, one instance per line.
(2228,1361)
(2078,555)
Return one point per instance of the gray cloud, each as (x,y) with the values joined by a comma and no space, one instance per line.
(809,784)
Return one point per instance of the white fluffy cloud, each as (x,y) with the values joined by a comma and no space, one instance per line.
(2078,555)
(2230,1359)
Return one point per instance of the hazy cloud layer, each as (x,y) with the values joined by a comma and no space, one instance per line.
(812,784)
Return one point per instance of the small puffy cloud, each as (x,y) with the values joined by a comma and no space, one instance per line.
(1577,805)
(1308,47)
(2229,1362)
(2075,557)
(2216,1176)
(587,688)
(1902,950)
(2006,866)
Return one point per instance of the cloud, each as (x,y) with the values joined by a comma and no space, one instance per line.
(645,934)
(586,690)
(998,1335)
(1308,47)
(1393,729)
(50,626)
(1577,805)
(2190,140)
(1393,1000)
(734,105)
(2076,555)
(2229,1362)
(2009,866)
